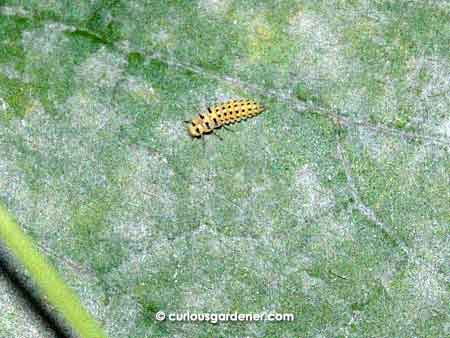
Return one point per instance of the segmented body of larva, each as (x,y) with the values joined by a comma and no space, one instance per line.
(222,114)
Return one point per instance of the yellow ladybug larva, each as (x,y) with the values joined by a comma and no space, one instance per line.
(222,114)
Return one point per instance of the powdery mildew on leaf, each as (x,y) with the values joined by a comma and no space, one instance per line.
(14,11)
(141,89)
(101,70)
(216,7)
(312,198)
(380,149)
(428,286)
(91,115)
(3,106)
(171,132)
(123,313)
(320,51)
(46,41)
(445,128)
(427,277)
(10,71)
(45,146)
(243,224)
(259,37)
(44,47)
(143,183)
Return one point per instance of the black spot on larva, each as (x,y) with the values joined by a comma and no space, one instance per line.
(197,130)
(207,125)
(201,116)
(215,120)
(209,109)
(225,114)
(229,106)
(219,115)
(243,110)
(217,110)
(193,123)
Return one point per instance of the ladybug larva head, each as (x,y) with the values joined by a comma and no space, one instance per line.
(195,130)
(201,124)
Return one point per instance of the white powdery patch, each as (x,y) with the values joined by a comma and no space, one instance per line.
(13,183)
(214,6)
(40,134)
(205,294)
(445,7)
(89,115)
(211,293)
(36,128)
(145,188)
(45,47)
(161,37)
(427,279)
(312,198)
(380,149)
(10,72)
(52,217)
(445,128)
(158,254)
(134,10)
(311,284)
(364,11)
(389,104)
(430,243)
(172,132)
(431,78)
(101,70)
(43,42)
(202,187)
(256,208)
(134,229)
(14,188)
(251,254)
(140,89)
(121,316)
(13,11)
(356,100)
(428,286)
(57,142)
(320,48)
(387,275)
(3,106)
(214,243)
(423,155)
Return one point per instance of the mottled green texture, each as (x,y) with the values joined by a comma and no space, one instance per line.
(333,204)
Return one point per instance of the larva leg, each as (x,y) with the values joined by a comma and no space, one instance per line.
(220,138)
(226,128)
